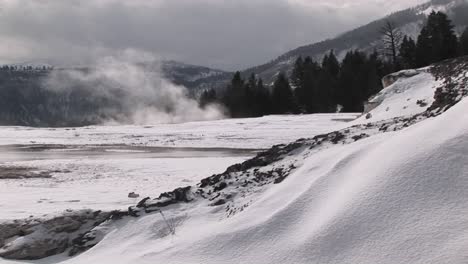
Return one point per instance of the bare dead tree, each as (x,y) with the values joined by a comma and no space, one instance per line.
(392,38)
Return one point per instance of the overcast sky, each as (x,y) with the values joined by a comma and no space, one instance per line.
(227,34)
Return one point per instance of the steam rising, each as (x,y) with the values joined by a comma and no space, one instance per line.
(131,92)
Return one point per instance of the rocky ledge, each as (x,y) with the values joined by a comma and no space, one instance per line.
(36,238)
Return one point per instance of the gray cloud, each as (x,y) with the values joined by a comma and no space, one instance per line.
(228,34)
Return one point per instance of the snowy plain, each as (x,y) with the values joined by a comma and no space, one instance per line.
(251,133)
(96,167)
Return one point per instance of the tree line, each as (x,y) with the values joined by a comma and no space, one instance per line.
(436,42)
(330,85)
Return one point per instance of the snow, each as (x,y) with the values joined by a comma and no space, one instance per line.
(252,133)
(101,184)
(405,97)
(96,167)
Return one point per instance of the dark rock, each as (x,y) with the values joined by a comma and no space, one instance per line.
(219,202)
(142,202)
(133,195)
(220,186)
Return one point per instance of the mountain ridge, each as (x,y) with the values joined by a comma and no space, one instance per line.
(366,37)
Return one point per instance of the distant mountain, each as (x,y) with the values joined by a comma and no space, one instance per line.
(367,37)
(194,77)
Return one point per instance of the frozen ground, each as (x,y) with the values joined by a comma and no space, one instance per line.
(254,133)
(96,167)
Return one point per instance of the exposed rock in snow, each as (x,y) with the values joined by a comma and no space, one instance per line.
(36,238)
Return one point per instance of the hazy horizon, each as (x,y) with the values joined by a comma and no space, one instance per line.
(228,35)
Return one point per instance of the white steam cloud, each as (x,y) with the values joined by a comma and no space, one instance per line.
(130,91)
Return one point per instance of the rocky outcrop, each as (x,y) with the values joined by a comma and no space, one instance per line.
(36,238)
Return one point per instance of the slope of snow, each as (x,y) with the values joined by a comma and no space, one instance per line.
(407,96)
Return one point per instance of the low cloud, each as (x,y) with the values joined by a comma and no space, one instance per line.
(220,33)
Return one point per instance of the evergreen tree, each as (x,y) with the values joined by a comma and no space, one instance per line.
(309,98)
(327,84)
(437,40)
(464,42)
(263,99)
(249,100)
(297,78)
(297,74)
(351,93)
(207,97)
(331,65)
(374,74)
(408,53)
(282,96)
(234,96)
(423,49)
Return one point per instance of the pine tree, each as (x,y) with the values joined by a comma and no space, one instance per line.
(351,92)
(263,99)
(249,100)
(408,53)
(207,97)
(331,65)
(282,96)
(309,99)
(234,96)
(449,42)
(437,40)
(297,78)
(297,74)
(373,83)
(327,84)
(424,49)
(464,42)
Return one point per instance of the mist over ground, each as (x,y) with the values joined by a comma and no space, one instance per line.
(126,90)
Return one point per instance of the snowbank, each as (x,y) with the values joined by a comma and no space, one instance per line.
(409,92)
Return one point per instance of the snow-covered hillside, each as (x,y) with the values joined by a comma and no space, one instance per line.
(393,190)
(194,77)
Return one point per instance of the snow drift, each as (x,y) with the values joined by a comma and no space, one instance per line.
(391,191)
